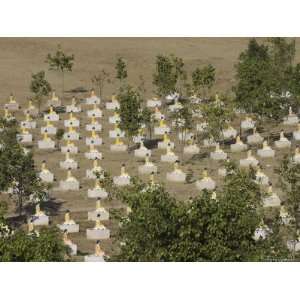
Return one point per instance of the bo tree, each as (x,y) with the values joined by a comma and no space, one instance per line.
(217,114)
(203,80)
(169,73)
(17,170)
(265,74)
(99,81)
(40,87)
(289,180)
(121,70)
(159,228)
(130,111)
(183,119)
(148,120)
(148,232)
(62,63)
(47,246)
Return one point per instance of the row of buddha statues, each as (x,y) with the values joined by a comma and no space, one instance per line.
(177,175)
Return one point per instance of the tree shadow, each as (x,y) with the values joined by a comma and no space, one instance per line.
(77,90)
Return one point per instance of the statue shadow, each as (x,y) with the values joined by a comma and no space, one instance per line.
(151,143)
(51,207)
(148,143)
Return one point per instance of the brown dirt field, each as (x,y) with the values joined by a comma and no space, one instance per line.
(20,57)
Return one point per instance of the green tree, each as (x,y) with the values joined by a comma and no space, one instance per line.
(121,70)
(47,246)
(142,86)
(40,87)
(148,120)
(58,136)
(130,111)
(159,228)
(184,122)
(289,180)
(203,80)
(169,71)
(265,74)
(152,226)
(217,114)
(282,53)
(61,62)
(99,81)
(253,75)
(17,170)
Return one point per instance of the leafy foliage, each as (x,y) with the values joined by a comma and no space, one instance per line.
(203,80)
(99,80)
(158,228)
(148,120)
(40,87)
(17,170)
(121,69)
(45,247)
(59,135)
(217,114)
(265,74)
(60,62)
(289,180)
(169,71)
(130,110)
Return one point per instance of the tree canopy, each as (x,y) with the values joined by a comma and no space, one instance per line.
(267,79)
(159,228)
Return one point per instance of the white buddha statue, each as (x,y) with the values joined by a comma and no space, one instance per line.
(283,142)
(123,178)
(206,182)
(261,177)
(162,128)
(296,133)
(98,191)
(38,211)
(68,220)
(272,200)
(261,232)
(266,150)
(291,119)
(254,138)
(177,175)
(68,163)
(218,154)
(148,167)
(191,147)
(296,157)
(249,161)
(230,132)
(284,215)
(113,104)
(95,171)
(169,156)
(45,174)
(70,183)
(238,146)
(248,123)
(118,145)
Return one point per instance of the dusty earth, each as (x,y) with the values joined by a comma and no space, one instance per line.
(20,57)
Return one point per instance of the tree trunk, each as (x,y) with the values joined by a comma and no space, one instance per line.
(39,105)
(100,92)
(63,87)
(20,204)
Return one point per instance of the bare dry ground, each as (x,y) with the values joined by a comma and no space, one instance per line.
(20,57)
